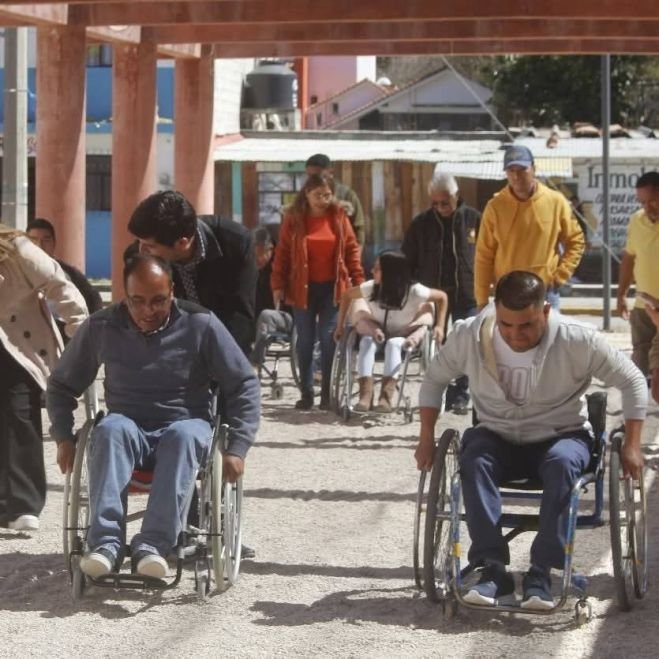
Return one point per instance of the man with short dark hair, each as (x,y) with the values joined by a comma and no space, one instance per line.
(526,226)
(212,258)
(320,163)
(42,233)
(640,263)
(529,369)
(161,359)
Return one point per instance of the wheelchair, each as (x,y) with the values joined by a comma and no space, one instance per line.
(344,391)
(213,542)
(437,563)
(279,345)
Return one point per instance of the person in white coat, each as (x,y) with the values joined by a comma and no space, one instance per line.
(29,346)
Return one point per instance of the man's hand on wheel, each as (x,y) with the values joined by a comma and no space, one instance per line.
(425,451)
(632,461)
(66,451)
(233,467)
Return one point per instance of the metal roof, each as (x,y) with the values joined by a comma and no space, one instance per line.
(481,159)
(621,148)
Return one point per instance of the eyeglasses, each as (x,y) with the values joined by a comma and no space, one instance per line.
(441,204)
(158,303)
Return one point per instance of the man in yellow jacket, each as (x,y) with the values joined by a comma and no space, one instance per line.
(526,226)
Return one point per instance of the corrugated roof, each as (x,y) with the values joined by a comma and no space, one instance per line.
(472,159)
(621,148)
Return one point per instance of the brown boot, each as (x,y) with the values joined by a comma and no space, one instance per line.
(387,393)
(365,394)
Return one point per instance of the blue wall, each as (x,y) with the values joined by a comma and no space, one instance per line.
(98,244)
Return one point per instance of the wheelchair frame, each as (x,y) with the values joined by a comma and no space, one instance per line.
(215,545)
(342,391)
(285,346)
(441,574)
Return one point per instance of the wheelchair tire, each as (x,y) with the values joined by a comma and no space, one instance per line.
(621,526)
(216,543)
(276,391)
(232,522)
(76,498)
(419,524)
(78,580)
(437,541)
(293,357)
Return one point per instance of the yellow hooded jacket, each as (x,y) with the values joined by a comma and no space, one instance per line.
(539,235)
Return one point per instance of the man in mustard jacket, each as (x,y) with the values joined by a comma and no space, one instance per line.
(526,226)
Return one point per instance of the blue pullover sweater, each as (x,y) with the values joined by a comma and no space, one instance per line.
(159,378)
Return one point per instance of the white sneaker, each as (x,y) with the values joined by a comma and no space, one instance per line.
(152,565)
(25,523)
(97,563)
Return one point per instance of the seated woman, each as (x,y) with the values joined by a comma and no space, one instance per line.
(396,311)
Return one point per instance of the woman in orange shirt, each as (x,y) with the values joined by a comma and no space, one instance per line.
(317,259)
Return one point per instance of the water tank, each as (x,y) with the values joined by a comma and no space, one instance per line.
(270,86)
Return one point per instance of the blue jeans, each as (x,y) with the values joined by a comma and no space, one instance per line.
(119,445)
(486,460)
(320,315)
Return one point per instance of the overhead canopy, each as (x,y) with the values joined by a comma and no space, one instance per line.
(482,159)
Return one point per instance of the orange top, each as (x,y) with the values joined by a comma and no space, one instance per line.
(321,246)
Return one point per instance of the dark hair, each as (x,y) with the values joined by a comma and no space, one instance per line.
(139,261)
(648,180)
(300,205)
(318,160)
(392,292)
(262,236)
(41,223)
(165,217)
(519,289)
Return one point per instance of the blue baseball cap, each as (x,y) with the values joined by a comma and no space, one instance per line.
(518,155)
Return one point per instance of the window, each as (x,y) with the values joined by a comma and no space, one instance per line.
(313,100)
(99,183)
(99,55)
(335,108)
(319,119)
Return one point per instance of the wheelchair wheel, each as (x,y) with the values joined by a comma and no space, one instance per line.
(627,517)
(343,383)
(78,579)
(437,540)
(427,350)
(214,521)
(276,391)
(419,524)
(76,498)
(232,528)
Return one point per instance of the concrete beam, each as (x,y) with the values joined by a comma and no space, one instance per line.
(29,14)
(344,11)
(114,34)
(447,47)
(410,31)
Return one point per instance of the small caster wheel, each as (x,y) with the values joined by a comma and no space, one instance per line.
(450,607)
(345,413)
(583,612)
(277,391)
(78,579)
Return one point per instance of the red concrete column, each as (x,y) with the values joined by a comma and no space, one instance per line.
(61,125)
(194,139)
(133,142)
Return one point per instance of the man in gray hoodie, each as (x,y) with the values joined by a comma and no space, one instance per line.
(529,369)
(161,358)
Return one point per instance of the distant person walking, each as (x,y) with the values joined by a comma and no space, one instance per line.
(440,244)
(526,226)
(316,260)
(640,264)
(319,163)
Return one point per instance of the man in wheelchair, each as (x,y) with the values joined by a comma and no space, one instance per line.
(529,369)
(161,358)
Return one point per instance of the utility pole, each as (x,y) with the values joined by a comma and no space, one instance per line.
(14,158)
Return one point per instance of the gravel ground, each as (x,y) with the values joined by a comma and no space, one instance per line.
(329,508)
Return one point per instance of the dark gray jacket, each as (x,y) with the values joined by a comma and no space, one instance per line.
(423,244)
(159,378)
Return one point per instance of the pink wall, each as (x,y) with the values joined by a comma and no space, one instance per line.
(330,75)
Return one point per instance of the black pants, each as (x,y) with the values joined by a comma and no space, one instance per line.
(22,473)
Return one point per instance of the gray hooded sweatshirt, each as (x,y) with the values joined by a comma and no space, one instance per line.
(570,354)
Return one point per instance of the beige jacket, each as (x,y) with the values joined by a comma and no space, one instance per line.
(28,279)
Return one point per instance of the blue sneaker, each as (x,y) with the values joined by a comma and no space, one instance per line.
(493,584)
(537,590)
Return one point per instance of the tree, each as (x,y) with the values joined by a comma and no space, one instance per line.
(547,90)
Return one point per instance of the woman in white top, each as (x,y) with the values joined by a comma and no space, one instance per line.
(393,310)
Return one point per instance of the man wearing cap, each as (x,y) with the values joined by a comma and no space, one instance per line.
(526,226)
(319,163)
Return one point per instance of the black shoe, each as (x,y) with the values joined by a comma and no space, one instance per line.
(247,552)
(537,590)
(493,584)
(460,406)
(306,402)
